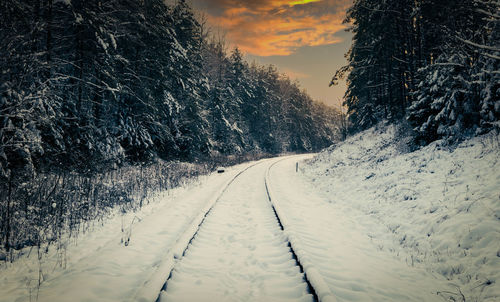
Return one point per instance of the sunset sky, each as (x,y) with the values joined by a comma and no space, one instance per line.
(303,38)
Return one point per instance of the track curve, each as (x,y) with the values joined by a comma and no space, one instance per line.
(239,252)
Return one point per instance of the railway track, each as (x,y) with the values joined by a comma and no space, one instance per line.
(313,277)
(240,250)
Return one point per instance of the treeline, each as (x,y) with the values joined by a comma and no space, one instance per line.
(87,86)
(124,80)
(433,62)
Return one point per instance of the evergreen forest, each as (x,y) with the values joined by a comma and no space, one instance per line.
(432,63)
(89,88)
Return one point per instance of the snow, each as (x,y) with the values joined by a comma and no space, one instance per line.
(66,2)
(239,253)
(99,267)
(78,18)
(103,44)
(337,248)
(313,275)
(367,222)
(113,40)
(394,223)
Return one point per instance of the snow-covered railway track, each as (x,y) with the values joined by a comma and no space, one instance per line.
(155,281)
(239,251)
(314,278)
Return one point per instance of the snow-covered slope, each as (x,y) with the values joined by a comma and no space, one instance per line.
(435,208)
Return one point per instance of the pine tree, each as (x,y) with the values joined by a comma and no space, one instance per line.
(192,136)
(450,99)
(426,60)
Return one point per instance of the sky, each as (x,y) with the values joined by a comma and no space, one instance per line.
(303,38)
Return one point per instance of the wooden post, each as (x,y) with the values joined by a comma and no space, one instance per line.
(296,167)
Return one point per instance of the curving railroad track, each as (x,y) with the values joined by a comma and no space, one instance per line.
(240,250)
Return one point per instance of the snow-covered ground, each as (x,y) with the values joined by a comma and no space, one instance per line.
(240,252)
(366,221)
(99,267)
(337,245)
(436,212)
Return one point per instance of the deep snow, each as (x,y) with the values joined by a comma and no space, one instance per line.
(240,252)
(97,266)
(367,221)
(434,209)
(336,245)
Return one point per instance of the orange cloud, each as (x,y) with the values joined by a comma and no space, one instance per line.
(277,27)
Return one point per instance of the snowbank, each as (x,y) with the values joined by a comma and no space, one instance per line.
(434,208)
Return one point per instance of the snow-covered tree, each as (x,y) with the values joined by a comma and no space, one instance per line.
(445,104)
(438,60)
(89,85)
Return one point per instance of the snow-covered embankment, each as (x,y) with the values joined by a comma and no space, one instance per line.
(434,209)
